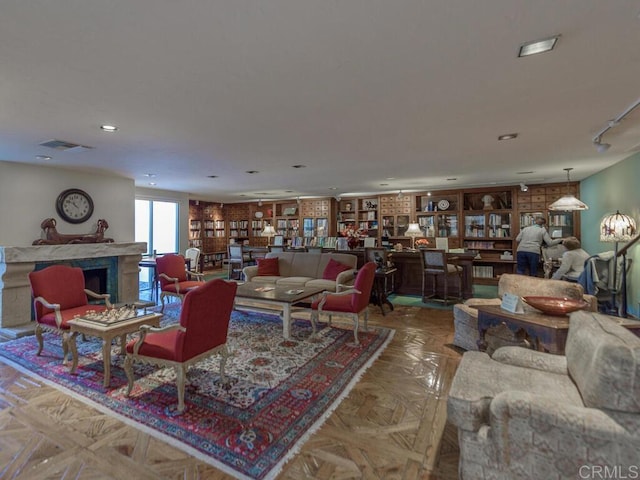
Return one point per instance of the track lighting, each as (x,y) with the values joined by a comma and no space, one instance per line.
(260,202)
(597,139)
(524,188)
(400,195)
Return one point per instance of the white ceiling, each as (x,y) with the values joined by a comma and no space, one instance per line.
(356,90)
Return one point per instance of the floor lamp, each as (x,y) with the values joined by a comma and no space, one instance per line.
(618,227)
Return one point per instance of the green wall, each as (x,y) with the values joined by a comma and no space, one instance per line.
(615,188)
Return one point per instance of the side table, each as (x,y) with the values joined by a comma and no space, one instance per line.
(379,290)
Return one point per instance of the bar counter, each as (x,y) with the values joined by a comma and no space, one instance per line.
(409,275)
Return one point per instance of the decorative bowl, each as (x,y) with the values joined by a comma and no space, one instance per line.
(556,305)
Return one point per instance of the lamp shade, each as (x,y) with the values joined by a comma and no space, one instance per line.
(268,231)
(617,227)
(568,203)
(413,230)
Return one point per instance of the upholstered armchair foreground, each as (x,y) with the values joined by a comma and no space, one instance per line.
(529,415)
(175,279)
(59,296)
(465,316)
(202,332)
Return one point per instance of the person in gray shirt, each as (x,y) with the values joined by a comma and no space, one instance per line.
(530,240)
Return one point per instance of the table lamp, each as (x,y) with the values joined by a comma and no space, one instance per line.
(268,232)
(413,231)
(618,227)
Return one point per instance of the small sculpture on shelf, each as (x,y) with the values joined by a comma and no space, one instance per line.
(52,237)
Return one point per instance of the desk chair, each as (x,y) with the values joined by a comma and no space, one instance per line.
(436,265)
(237,259)
(193,254)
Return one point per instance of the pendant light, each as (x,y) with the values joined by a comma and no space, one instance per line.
(568,202)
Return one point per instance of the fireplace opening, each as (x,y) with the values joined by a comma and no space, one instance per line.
(95,279)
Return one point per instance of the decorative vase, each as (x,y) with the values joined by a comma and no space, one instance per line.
(353,242)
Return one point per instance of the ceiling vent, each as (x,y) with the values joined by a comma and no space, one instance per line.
(64,146)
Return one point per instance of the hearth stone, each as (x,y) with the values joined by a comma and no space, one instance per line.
(17,262)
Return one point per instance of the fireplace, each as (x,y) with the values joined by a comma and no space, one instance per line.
(100,274)
(109,268)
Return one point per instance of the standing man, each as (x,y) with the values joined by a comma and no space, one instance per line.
(530,240)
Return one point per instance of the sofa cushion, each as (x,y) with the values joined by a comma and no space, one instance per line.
(268,267)
(266,279)
(333,269)
(479,379)
(293,282)
(603,359)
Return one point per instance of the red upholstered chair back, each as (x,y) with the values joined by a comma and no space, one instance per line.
(58,284)
(173,266)
(205,315)
(363,283)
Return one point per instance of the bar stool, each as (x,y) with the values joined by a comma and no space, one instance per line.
(436,265)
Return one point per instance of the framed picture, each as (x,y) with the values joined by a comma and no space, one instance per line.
(278,240)
(290,211)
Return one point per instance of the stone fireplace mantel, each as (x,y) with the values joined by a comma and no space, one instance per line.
(17,262)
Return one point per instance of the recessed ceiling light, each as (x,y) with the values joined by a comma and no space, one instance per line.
(390,178)
(152,183)
(299,166)
(538,46)
(451,179)
(43,157)
(150,175)
(384,184)
(288,191)
(109,128)
(333,188)
(508,136)
(251,172)
(242,195)
(212,176)
(524,173)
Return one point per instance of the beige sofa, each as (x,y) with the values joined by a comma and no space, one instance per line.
(530,415)
(465,316)
(299,269)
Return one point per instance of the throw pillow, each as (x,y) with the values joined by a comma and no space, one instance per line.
(268,267)
(333,269)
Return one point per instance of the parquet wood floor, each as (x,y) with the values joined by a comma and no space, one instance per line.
(391,426)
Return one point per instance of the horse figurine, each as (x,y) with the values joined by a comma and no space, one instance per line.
(52,237)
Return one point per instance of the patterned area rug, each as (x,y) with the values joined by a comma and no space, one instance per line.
(280,392)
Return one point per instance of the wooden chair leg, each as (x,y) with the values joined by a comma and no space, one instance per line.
(180,381)
(40,339)
(128,369)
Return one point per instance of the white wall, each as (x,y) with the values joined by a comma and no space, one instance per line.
(28,195)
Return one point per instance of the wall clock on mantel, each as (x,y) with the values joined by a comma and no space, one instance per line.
(74,205)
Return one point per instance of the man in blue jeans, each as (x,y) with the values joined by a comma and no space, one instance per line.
(530,240)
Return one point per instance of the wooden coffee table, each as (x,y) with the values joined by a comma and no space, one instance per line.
(253,296)
(545,333)
(107,332)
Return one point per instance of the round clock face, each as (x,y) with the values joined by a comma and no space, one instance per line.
(443,204)
(74,205)
(258,214)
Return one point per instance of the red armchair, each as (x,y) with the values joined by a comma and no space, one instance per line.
(175,280)
(202,331)
(59,296)
(351,302)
